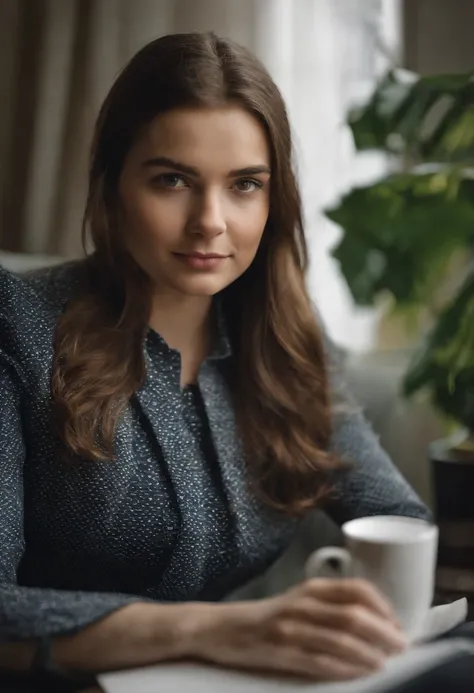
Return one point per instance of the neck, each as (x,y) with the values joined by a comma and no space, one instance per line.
(184,322)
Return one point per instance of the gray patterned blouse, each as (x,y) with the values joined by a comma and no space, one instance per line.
(172,518)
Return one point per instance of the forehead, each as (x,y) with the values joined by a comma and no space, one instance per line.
(222,138)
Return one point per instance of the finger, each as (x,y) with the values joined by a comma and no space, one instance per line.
(343,646)
(353,619)
(321,667)
(349,591)
(375,630)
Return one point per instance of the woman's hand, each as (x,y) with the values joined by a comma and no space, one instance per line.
(326,630)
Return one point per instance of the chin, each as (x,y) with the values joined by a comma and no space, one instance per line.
(203,286)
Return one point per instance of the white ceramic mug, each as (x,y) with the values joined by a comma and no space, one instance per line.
(397,554)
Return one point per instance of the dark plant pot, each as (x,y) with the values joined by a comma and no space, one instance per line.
(452,463)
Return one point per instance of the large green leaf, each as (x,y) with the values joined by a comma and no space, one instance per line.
(444,364)
(400,234)
(372,124)
(429,118)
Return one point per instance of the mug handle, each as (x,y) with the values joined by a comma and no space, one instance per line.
(329,562)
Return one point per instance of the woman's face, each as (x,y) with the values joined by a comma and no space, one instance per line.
(195,195)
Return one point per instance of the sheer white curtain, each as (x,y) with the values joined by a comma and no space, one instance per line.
(326,55)
(320,53)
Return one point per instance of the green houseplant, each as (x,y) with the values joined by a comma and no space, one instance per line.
(400,234)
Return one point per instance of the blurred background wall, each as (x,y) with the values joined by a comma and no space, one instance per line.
(437,35)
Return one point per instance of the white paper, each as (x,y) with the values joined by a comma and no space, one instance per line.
(443,618)
(197,678)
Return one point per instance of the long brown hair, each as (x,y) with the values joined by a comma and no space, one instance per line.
(280,380)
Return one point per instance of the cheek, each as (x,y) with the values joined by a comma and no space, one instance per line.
(152,217)
(249,230)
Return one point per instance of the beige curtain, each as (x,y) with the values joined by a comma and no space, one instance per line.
(57,60)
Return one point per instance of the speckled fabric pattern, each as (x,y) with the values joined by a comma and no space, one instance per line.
(172,518)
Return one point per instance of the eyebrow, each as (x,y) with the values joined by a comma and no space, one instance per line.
(164,161)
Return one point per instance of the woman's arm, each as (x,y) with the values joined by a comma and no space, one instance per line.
(133,635)
(27,612)
(87,630)
(322,629)
(372,485)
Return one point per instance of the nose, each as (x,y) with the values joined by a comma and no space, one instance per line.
(209,215)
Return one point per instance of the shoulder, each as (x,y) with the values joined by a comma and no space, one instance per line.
(44,290)
(30,304)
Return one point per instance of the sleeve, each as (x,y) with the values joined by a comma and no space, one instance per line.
(28,612)
(371,485)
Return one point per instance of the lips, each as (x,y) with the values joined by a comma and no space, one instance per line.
(204,256)
(202,262)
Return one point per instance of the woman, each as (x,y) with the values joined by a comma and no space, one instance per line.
(168,413)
